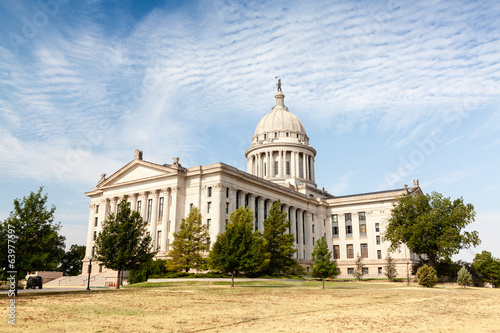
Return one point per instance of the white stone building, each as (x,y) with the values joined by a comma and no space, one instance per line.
(280,165)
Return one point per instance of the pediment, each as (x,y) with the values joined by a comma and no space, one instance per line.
(136,171)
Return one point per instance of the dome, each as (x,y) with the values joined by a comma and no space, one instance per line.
(280,120)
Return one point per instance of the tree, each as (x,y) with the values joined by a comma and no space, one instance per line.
(239,249)
(71,263)
(390,268)
(431,226)
(487,267)
(323,266)
(279,243)
(189,244)
(464,278)
(32,241)
(123,243)
(358,271)
(426,276)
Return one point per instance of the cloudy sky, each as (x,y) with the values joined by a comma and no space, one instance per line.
(388,91)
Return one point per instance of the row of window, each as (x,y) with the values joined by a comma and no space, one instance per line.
(366,271)
(348,225)
(350,251)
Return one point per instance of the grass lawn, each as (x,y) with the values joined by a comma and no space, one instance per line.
(260,306)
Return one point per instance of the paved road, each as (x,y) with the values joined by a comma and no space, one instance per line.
(51,290)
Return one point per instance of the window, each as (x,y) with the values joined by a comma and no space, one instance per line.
(350,251)
(139,205)
(380,271)
(275,168)
(365,270)
(93,251)
(362,229)
(287,134)
(313,241)
(275,134)
(209,207)
(190,206)
(160,209)
(297,135)
(378,240)
(336,252)
(377,227)
(379,254)
(227,207)
(362,217)
(209,221)
(95,235)
(158,240)
(150,207)
(324,223)
(335,231)
(364,250)
(313,228)
(96,221)
(348,230)
(97,209)
(227,192)
(348,217)
(265,170)
(313,217)
(209,191)
(227,221)
(350,271)
(288,168)
(335,218)
(265,136)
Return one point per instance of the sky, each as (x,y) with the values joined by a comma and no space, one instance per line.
(388,91)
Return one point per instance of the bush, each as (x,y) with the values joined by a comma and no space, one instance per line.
(426,276)
(147,270)
(464,278)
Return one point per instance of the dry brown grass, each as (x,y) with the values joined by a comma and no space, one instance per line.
(274,306)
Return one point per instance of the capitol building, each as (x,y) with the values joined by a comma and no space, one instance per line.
(280,165)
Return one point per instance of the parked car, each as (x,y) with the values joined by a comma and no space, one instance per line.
(34,282)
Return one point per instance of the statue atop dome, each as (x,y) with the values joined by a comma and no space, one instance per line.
(279,85)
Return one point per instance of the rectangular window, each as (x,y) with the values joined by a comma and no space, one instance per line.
(378,240)
(139,205)
(209,207)
(96,221)
(160,209)
(365,270)
(158,241)
(227,221)
(364,250)
(313,228)
(362,216)
(227,207)
(275,168)
(380,271)
(313,241)
(190,206)
(265,170)
(209,191)
(335,231)
(377,227)
(350,271)
(97,209)
(336,252)
(275,135)
(348,230)
(95,235)
(312,217)
(209,221)
(350,251)
(379,254)
(150,207)
(335,218)
(288,168)
(348,217)
(362,230)
(227,192)
(93,251)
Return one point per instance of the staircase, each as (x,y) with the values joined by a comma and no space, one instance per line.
(96,280)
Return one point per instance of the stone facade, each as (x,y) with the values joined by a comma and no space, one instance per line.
(280,165)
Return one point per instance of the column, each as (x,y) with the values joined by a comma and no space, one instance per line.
(241,199)
(261,213)
(304,166)
(134,201)
(300,245)
(312,169)
(307,234)
(154,219)
(143,197)
(166,216)
(268,168)
(173,212)
(280,163)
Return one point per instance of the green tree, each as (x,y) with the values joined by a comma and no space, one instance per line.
(279,243)
(323,266)
(358,271)
(32,241)
(431,226)
(390,268)
(123,243)
(71,262)
(487,267)
(239,249)
(426,276)
(464,278)
(189,243)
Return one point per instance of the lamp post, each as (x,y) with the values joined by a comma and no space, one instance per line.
(90,270)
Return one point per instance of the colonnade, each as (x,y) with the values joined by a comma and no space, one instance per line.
(290,164)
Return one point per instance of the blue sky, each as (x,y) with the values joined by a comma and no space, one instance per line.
(388,92)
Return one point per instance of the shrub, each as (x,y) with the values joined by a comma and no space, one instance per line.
(147,270)
(464,278)
(426,276)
